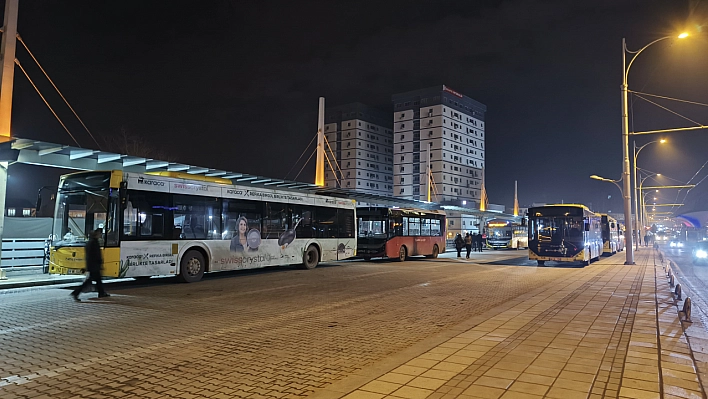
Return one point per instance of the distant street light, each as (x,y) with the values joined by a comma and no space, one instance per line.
(636,193)
(625,142)
(640,211)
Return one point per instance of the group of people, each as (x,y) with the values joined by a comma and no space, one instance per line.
(469,242)
(648,239)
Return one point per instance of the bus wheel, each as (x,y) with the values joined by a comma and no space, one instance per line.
(192,266)
(310,258)
(541,262)
(436,252)
(402,254)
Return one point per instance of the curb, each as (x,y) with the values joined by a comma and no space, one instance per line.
(23,284)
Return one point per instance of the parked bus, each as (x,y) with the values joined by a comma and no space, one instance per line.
(564,233)
(612,239)
(185,225)
(503,233)
(398,233)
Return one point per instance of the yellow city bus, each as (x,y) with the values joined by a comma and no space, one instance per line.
(185,225)
(505,233)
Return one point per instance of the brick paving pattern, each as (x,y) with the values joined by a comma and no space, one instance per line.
(348,330)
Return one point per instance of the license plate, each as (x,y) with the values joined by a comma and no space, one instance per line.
(555,259)
(75,271)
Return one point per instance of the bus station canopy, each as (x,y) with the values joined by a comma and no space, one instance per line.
(53,155)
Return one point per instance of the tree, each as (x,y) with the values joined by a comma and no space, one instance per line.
(126,142)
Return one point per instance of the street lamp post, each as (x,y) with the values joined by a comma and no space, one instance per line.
(625,143)
(636,193)
(641,215)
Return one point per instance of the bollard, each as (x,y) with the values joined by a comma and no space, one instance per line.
(671,281)
(2,275)
(677,291)
(668,271)
(687,309)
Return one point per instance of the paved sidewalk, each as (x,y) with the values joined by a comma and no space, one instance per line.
(25,279)
(611,331)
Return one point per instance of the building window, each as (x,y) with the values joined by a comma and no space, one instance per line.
(10,211)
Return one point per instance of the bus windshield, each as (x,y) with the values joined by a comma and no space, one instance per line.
(372,227)
(557,229)
(82,206)
(499,232)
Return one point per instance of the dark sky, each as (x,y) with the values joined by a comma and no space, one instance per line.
(235,84)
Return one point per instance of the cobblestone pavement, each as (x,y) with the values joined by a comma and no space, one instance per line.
(331,331)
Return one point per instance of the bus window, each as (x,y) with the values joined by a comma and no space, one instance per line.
(413,226)
(275,220)
(112,229)
(326,222)
(302,217)
(395,226)
(435,227)
(372,228)
(233,210)
(197,217)
(405,226)
(345,221)
(144,215)
(425,227)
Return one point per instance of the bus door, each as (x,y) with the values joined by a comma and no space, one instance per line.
(347,234)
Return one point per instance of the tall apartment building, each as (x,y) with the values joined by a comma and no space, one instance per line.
(362,142)
(450,126)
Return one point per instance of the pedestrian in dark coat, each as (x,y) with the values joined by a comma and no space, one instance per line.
(468,244)
(459,244)
(477,239)
(94,264)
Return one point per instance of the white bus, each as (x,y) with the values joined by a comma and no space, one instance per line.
(185,225)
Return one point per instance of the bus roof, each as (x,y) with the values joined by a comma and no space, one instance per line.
(384,209)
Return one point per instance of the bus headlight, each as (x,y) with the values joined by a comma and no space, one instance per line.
(701,254)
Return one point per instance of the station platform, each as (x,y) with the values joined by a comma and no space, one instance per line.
(614,331)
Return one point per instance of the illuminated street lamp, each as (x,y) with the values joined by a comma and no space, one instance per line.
(596,177)
(636,193)
(640,211)
(625,142)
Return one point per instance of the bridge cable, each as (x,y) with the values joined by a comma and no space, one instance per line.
(305,164)
(45,102)
(301,154)
(19,38)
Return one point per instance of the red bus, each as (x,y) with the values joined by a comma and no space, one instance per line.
(398,233)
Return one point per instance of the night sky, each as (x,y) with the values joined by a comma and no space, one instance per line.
(235,85)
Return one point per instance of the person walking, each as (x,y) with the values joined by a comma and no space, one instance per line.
(94,264)
(468,244)
(482,241)
(459,244)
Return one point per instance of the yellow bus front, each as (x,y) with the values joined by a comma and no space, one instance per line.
(86,201)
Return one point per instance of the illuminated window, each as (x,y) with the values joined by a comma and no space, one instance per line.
(10,211)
